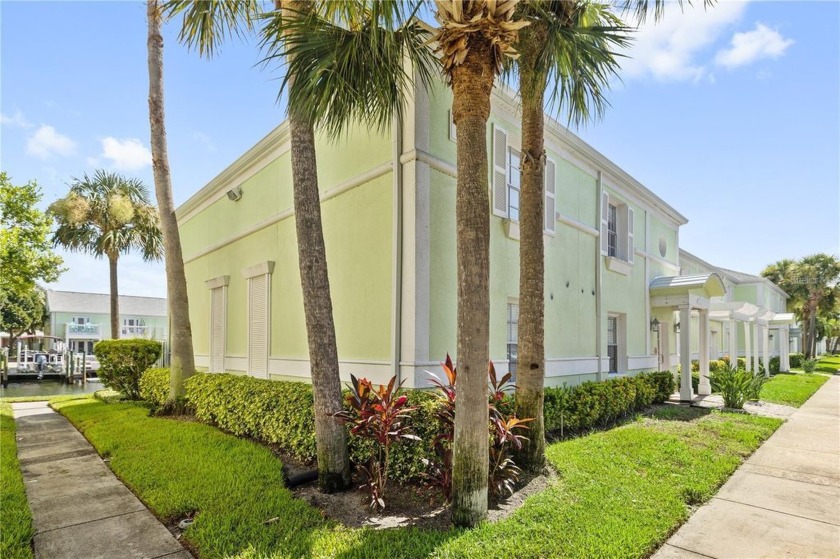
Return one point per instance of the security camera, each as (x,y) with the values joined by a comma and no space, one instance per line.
(234,194)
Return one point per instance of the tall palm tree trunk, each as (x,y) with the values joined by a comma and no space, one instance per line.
(115,296)
(530,371)
(182,363)
(330,435)
(472,82)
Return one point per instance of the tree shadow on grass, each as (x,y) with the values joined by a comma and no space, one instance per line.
(676,412)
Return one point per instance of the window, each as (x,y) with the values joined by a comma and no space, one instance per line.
(80,320)
(512,336)
(612,343)
(612,230)
(513,184)
(133,327)
(617,227)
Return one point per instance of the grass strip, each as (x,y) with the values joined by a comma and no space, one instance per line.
(15,518)
(620,493)
(791,389)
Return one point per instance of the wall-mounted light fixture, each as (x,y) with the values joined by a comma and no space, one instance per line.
(676,328)
(234,194)
(654,325)
(771,337)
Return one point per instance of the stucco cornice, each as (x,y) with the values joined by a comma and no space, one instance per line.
(245,166)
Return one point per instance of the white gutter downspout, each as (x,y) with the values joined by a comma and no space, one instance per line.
(396,279)
(598,320)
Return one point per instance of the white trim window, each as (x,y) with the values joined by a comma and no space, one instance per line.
(218,328)
(617,229)
(499,172)
(133,327)
(512,336)
(514,183)
(80,320)
(617,343)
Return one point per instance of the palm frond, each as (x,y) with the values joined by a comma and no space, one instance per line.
(206,24)
(350,61)
(641,8)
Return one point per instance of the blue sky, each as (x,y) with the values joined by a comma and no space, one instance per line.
(731,115)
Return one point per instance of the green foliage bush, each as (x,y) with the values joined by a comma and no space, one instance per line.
(122,363)
(809,365)
(588,405)
(775,364)
(736,386)
(796,360)
(154,386)
(716,365)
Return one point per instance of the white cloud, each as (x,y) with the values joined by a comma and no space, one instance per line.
(126,155)
(749,46)
(16,120)
(672,49)
(46,142)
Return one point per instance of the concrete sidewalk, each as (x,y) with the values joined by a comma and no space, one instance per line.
(79,508)
(784,501)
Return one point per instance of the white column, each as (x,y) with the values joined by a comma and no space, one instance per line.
(686,391)
(733,342)
(784,349)
(747,346)
(766,358)
(704,388)
(756,332)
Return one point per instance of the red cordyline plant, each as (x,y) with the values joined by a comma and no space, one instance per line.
(377,414)
(503,432)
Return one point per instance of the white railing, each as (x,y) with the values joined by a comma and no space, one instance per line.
(88,330)
(135,331)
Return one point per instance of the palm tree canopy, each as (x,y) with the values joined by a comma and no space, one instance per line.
(350,60)
(575,46)
(107,214)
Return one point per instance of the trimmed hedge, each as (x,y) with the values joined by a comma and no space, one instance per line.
(775,364)
(154,386)
(796,360)
(592,404)
(123,362)
(282,412)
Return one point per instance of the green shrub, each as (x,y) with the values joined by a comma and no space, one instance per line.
(282,413)
(809,365)
(742,363)
(663,384)
(122,363)
(775,364)
(695,366)
(735,385)
(588,405)
(154,386)
(716,365)
(796,360)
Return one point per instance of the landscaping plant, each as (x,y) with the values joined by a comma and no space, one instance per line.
(809,365)
(736,386)
(123,362)
(504,429)
(379,415)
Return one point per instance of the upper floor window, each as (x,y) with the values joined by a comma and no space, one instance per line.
(514,182)
(80,320)
(612,230)
(617,227)
(512,336)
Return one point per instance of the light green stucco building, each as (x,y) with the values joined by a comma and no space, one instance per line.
(388,204)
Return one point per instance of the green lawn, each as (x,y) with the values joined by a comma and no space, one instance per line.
(620,492)
(15,518)
(791,389)
(828,364)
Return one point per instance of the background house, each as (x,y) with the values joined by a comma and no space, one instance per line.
(83,319)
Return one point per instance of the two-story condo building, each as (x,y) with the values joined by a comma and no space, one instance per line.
(82,319)
(614,289)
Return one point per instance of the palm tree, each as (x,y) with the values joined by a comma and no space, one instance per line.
(569,44)
(182,363)
(473,37)
(108,215)
(344,63)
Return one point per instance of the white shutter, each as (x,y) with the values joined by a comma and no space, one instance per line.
(630,229)
(550,196)
(217,330)
(605,213)
(258,326)
(499,183)
(453,132)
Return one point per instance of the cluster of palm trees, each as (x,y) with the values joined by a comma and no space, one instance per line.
(349,61)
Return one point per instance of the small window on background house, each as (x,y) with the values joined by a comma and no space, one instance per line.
(612,231)
(514,182)
(512,337)
(612,343)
